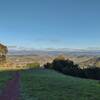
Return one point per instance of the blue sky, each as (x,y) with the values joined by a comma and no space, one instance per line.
(50,23)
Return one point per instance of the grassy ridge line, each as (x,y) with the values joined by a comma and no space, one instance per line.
(11,68)
(50,85)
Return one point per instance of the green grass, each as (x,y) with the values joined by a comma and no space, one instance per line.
(4,77)
(41,84)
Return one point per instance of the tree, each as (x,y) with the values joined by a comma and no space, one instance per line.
(3,53)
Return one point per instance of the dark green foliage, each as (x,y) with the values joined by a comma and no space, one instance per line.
(64,66)
(69,68)
(48,66)
(93,73)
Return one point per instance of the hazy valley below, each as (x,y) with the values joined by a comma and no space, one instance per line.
(83,58)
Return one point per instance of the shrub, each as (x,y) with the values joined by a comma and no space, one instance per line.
(68,67)
(92,73)
(33,65)
(64,66)
(48,66)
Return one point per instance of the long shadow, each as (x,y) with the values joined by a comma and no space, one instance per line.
(11,91)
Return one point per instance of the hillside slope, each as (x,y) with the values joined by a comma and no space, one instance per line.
(4,77)
(44,84)
(93,62)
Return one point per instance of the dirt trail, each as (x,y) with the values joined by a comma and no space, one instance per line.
(11,92)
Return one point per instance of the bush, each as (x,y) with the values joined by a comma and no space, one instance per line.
(33,65)
(92,73)
(64,66)
(69,68)
(48,66)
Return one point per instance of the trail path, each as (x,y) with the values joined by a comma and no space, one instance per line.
(11,91)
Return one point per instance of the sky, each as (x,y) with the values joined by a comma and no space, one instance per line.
(50,23)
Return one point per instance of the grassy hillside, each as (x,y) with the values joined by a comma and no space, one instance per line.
(4,77)
(49,85)
(91,62)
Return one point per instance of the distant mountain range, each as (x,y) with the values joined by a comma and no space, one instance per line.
(52,51)
(55,49)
